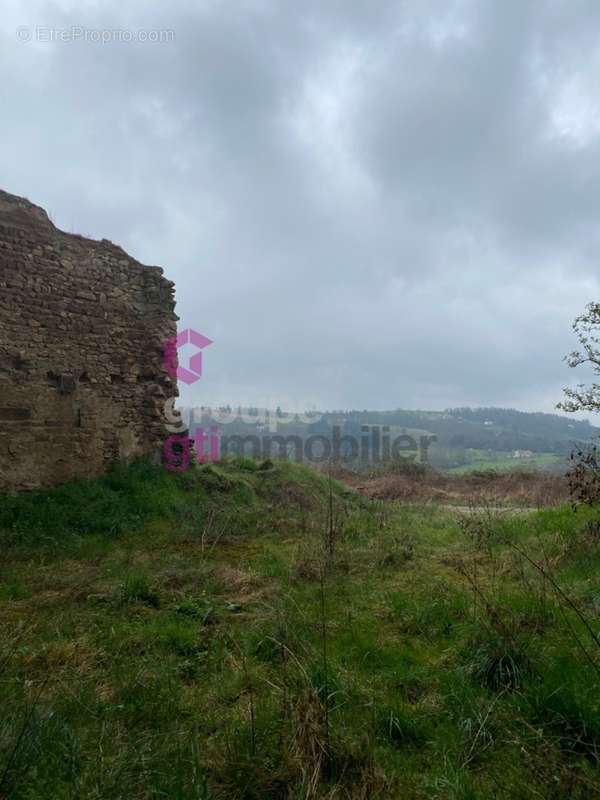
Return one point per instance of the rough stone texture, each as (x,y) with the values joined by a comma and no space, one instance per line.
(82,331)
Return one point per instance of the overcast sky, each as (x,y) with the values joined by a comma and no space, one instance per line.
(364,204)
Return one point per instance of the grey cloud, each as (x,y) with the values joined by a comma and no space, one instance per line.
(370,205)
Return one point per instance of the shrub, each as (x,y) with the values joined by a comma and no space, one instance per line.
(584,475)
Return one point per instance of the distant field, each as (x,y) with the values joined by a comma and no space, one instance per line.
(504,462)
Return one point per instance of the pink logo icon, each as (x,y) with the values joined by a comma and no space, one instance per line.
(193,371)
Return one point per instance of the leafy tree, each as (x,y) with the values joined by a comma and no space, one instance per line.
(587,329)
(584,475)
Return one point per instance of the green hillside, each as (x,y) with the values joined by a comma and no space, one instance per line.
(464,438)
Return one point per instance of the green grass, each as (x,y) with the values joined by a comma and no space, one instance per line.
(200,636)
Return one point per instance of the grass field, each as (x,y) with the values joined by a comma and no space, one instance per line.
(505,462)
(253,630)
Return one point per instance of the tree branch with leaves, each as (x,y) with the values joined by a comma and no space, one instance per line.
(584,474)
(587,330)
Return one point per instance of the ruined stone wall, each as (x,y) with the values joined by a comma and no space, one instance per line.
(82,329)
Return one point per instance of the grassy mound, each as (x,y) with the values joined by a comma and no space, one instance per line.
(129,497)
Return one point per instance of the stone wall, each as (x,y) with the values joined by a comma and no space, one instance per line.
(82,329)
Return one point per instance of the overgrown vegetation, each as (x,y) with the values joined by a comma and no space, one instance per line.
(419,482)
(259,630)
(584,475)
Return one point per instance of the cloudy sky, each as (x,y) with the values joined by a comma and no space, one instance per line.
(364,204)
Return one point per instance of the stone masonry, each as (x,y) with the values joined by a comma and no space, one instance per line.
(82,331)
